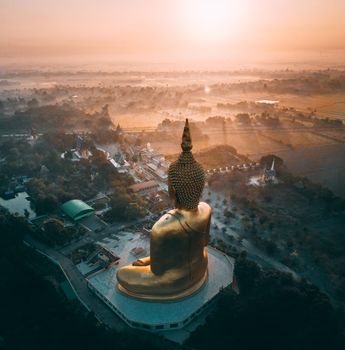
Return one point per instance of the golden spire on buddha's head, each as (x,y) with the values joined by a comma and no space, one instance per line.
(186,144)
(186,176)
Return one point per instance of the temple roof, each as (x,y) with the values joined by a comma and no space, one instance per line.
(77,209)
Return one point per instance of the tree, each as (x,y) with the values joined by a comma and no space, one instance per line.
(277,312)
(33,103)
(29,292)
(125,206)
(243,118)
(53,227)
(271,247)
(53,231)
(228,214)
(46,203)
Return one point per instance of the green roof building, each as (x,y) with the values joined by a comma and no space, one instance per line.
(77,209)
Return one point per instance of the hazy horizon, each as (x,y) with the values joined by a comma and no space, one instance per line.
(196,33)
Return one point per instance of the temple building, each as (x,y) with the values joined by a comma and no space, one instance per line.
(118,130)
(77,209)
(119,134)
(81,151)
(33,136)
(269,174)
(155,163)
(145,188)
(119,163)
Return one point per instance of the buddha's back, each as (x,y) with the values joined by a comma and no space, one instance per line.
(178,241)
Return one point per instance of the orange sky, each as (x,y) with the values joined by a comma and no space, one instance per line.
(169,28)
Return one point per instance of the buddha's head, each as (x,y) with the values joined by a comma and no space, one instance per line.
(186,177)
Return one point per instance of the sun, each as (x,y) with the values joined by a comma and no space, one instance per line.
(211,21)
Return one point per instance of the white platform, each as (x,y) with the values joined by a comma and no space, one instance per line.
(157,316)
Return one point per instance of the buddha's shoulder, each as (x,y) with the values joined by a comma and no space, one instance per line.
(172,220)
(165,222)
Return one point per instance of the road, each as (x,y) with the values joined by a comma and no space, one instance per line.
(79,285)
(253,252)
(214,130)
(240,129)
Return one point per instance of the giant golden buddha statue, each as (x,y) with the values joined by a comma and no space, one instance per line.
(177,265)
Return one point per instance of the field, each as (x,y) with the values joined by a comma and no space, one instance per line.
(141,100)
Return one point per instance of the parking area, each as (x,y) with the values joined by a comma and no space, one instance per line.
(93,223)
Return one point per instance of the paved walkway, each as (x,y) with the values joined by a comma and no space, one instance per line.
(79,285)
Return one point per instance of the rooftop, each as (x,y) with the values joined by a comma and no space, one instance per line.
(143,185)
(77,209)
(267,102)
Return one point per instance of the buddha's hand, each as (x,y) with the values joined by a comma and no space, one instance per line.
(142,262)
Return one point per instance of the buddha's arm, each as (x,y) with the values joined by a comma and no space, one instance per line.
(155,252)
(142,262)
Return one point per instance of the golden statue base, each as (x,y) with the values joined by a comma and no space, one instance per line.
(167,297)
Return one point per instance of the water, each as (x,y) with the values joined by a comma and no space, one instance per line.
(18,205)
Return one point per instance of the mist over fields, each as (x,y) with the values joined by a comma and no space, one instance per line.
(140,100)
